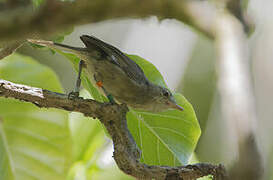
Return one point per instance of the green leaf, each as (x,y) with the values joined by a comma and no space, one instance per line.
(87,134)
(149,69)
(24,70)
(112,173)
(166,138)
(6,166)
(78,171)
(88,140)
(34,143)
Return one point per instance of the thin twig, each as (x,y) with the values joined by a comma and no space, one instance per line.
(126,152)
(10,48)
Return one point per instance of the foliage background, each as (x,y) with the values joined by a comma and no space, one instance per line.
(187,62)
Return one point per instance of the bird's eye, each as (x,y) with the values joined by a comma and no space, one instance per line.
(166,94)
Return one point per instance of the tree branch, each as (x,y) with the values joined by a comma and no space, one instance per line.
(236,8)
(17,3)
(126,152)
(238,103)
(56,16)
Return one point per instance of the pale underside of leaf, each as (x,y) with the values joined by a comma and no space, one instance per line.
(36,141)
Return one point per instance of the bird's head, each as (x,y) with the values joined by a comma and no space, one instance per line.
(163,100)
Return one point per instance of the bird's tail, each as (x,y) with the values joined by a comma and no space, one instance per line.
(54,45)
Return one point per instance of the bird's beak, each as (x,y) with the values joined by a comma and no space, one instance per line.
(176,106)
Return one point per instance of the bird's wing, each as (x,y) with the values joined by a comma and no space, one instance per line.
(118,58)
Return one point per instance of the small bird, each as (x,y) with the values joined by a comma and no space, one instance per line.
(117,76)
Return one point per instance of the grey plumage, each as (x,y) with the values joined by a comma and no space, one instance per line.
(120,75)
(115,56)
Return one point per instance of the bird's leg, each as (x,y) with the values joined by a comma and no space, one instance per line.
(108,95)
(76,91)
